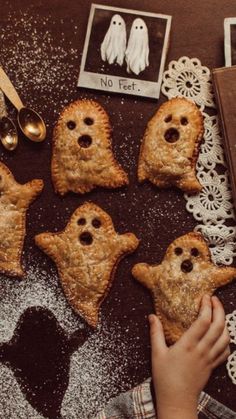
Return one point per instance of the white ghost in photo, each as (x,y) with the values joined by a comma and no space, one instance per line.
(137,52)
(114,44)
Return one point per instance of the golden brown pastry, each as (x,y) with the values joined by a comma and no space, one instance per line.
(82,156)
(14,202)
(170,146)
(86,254)
(180,281)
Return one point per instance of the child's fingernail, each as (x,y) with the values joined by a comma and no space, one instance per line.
(151,318)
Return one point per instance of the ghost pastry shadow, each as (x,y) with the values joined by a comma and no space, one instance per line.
(39,355)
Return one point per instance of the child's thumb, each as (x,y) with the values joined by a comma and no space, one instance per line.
(157,337)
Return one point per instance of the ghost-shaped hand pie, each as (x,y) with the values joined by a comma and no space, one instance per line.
(137,52)
(180,281)
(14,202)
(170,146)
(82,156)
(86,254)
(114,43)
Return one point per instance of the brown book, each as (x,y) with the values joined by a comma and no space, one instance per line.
(224,83)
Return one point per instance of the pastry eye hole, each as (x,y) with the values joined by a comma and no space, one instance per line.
(184,120)
(178,251)
(81,221)
(71,125)
(186,266)
(96,223)
(194,252)
(88,121)
(86,238)
(171,135)
(168,118)
(85,141)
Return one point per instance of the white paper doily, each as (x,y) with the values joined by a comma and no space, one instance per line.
(231,362)
(213,205)
(188,78)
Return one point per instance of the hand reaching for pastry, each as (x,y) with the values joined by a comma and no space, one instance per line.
(182,370)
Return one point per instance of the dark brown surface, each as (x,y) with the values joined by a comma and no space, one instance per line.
(224,80)
(156,217)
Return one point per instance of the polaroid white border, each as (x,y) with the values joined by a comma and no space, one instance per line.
(123,85)
(227,39)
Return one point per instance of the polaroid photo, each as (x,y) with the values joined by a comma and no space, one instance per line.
(230,41)
(125,51)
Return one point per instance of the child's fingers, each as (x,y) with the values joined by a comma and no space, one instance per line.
(217,325)
(221,358)
(200,326)
(221,344)
(157,336)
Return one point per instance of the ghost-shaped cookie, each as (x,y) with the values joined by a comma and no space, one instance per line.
(82,156)
(137,52)
(114,43)
(14,202)
(86,254)
(170,146)
(180,281)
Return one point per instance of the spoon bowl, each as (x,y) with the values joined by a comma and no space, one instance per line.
(8,133)
(31,124)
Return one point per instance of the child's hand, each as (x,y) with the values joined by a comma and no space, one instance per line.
(181,371)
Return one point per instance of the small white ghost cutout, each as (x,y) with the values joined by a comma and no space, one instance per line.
(114,44)
(137,52)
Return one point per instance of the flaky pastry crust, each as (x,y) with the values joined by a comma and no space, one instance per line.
(180,281)
(82,155)
(170,146)
(86,254)
(14,202)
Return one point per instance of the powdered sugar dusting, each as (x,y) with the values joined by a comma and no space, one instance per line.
(38,61)
(97,372)
(12,402)
(38,289)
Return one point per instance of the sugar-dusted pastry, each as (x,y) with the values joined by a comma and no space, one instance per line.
(170,146)
(82,155)
(14,202)
(180,281)
(86,254)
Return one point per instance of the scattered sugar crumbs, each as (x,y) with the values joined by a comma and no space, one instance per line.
(98,368)
(39,62)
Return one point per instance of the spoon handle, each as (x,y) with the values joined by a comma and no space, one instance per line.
(9,90)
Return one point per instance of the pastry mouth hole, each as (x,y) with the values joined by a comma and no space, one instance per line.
(168,118)
(71,125)
(96,223)
(85,141)
(186,266)
(88,121)
(86,238)
(194,252)
(81,221)
(172,135)
(178,251)
(184,120)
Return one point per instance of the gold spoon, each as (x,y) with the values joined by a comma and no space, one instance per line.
(8,133)
(30,122)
